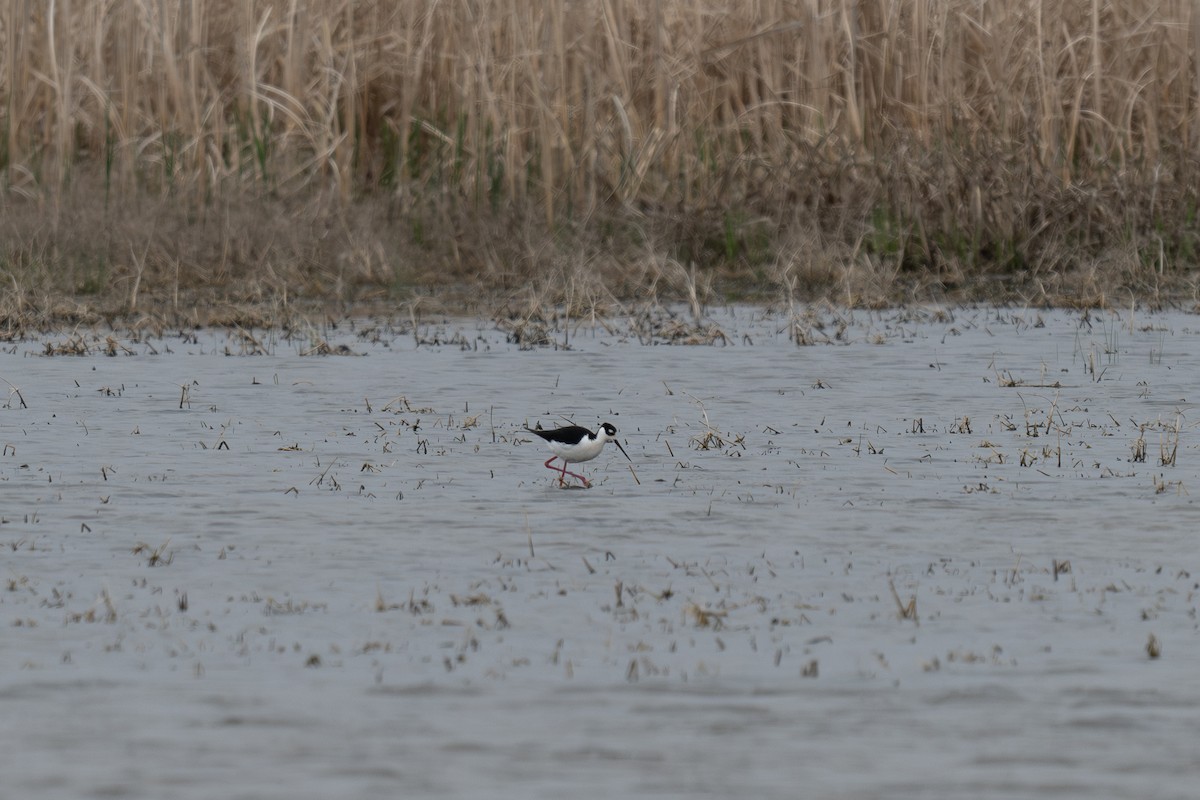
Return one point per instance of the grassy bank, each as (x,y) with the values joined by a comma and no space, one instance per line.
(197,160)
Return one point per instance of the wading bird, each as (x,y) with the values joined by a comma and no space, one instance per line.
(574,444)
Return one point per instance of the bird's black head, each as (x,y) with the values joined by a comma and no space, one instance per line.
(610,432)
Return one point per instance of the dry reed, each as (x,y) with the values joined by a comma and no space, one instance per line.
(160,155)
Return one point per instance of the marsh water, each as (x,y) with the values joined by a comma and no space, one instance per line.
(923,553)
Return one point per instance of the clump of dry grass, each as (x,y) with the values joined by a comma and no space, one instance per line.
(160,157)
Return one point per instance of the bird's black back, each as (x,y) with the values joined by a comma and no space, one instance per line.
(568,435)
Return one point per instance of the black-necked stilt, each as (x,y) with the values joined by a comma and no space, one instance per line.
(574,444)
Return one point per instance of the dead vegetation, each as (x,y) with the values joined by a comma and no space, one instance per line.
(210,163)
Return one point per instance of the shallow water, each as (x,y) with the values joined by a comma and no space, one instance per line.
(290,575)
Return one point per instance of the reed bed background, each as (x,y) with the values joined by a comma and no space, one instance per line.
(181,158)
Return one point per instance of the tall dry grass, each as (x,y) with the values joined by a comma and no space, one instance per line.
(859,150)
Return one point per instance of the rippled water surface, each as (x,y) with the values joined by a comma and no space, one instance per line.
(929,555)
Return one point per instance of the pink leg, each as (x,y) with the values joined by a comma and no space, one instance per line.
(562,478)
(576,475)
